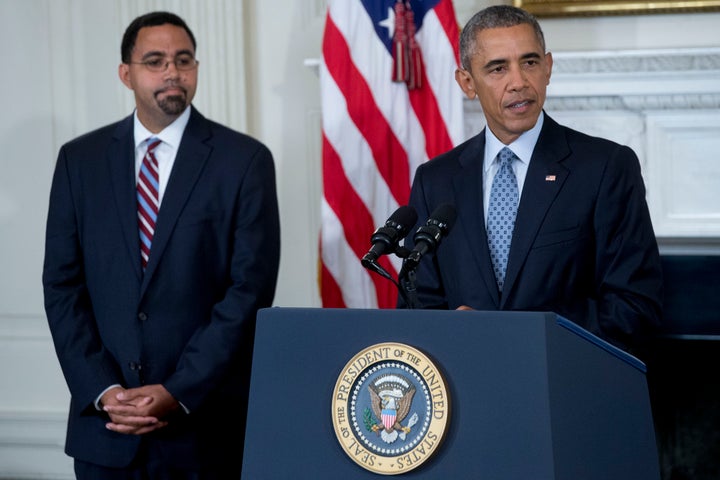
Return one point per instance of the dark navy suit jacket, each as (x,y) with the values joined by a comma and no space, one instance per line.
(188,321)
(583,245)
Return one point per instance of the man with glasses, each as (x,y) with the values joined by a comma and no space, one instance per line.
(162,243)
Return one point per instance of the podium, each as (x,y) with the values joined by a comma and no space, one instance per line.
(531,396)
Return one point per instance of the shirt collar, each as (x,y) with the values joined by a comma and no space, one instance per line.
(522,147)
(171,135)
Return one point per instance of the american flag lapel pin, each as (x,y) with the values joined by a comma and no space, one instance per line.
(549,178)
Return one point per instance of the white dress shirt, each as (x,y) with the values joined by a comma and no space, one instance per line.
(165,152)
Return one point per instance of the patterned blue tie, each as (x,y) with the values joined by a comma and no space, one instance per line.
(501,214)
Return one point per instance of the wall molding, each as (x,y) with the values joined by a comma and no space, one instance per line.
(33,428)
(32,446)
(642,73)
(635,102)
(635,62)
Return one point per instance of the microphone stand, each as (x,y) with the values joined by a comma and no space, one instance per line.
(406,280)
(409,290)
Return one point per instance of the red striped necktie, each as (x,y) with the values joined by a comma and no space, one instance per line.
(148,199)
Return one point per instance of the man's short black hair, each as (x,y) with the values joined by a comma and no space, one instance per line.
(152,19)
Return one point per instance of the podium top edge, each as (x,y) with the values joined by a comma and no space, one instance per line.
(560,321)
(608,347)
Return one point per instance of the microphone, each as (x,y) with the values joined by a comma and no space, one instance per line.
(428,237)
(385,240)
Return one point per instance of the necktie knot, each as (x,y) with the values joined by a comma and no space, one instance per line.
(152,144)
(506,157)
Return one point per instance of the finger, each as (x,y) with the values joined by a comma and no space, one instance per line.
(134,430)
(136,421)
(130,430)
(132,420)
(144,401)
(127,410)
(133,398)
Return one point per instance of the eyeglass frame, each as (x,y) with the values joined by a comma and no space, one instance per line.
(160,69)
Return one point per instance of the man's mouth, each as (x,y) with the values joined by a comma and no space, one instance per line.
(171,91)
(519,105)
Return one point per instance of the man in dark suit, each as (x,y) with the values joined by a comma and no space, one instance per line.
(582,245)
(155,343)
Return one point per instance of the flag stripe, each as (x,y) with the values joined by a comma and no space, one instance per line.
(423,102)
(441,59)
(391,98)
(376,132)
(388,153)
(445,14)
(344,266)
(357,160)
(332,293)
(343,200)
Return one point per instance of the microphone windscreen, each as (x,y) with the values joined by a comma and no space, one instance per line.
(405,216)
(444,214)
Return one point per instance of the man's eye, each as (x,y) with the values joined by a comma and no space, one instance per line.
(184,61)
(154,62)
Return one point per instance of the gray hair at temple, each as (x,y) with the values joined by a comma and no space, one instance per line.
(497,16)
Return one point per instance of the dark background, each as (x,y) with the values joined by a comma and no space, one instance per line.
(684,370)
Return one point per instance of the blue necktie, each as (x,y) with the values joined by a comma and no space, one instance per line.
(501,214)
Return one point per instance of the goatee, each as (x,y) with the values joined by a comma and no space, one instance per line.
(173,104)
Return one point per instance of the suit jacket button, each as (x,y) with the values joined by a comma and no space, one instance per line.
(142,316)
(133,366)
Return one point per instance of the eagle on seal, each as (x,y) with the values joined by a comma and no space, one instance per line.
(391,397)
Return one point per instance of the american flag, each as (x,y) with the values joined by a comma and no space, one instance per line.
(389,103)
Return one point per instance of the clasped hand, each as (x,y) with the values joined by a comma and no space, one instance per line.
(136,411)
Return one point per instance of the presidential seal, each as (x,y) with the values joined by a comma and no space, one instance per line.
(390,408)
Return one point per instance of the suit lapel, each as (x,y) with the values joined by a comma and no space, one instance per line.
(191,157)
(468,184)
(121,162)
(544,179)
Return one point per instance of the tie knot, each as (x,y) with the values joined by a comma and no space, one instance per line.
(152,143)
(506,156)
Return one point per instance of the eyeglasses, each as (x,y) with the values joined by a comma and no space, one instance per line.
(183,63)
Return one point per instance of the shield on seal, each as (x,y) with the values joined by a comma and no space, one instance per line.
(388,418)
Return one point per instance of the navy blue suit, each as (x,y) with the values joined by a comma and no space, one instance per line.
(187,322)
(583,244)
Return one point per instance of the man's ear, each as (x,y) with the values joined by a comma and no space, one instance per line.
(465,80)
(549,62)
(124,74)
